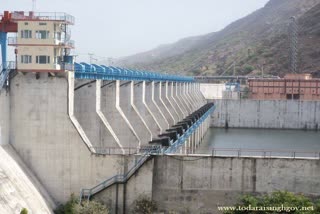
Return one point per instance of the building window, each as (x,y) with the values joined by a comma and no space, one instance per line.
(26,34)
(42,23)
(43,59)
(26,59)
(26,23)
(42,34)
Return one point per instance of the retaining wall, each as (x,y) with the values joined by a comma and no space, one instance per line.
(200,184)
(278,114)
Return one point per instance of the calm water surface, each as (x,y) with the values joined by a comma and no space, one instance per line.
(260,139)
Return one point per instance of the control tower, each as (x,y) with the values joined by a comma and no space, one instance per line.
(42,41)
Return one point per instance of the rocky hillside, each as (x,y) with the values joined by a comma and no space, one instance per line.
(258,42)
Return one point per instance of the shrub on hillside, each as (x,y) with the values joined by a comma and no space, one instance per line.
(87,207)
(144,205)
(90,207)
(277,202)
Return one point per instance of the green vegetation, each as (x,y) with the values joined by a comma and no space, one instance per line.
(252,41)
(24,211)
(88,207)
(247,69)
(144,205)
(277,202)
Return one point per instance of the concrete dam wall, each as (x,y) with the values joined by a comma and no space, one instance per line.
(39,113)
(277,114)
(4,117)
(42,134)
(200,184)
(36,120)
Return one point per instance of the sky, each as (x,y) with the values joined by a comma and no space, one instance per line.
(117,28)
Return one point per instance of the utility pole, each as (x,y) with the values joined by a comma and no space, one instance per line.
(234,68)
(34,5)
(91,58)
(293,33)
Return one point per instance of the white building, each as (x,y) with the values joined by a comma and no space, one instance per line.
(42,41)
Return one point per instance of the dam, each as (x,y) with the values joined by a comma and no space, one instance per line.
(112,134)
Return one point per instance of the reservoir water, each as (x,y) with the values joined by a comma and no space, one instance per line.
(261,141)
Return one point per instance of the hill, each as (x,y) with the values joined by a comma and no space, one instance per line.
(256,43)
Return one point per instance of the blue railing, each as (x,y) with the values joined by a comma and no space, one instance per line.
(181,140)
(93,71)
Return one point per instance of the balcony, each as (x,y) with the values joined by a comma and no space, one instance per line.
(13,41)
(43,16)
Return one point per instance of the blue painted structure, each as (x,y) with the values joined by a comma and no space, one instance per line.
(92,71)
(232,86)
(4,71)
(3,43)
(181,139)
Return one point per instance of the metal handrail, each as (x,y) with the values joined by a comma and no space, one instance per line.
(55,16)
(153,150)
(265,153)
(128,150)
(4,72)
(116,179)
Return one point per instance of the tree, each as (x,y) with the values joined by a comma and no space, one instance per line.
(277,202)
